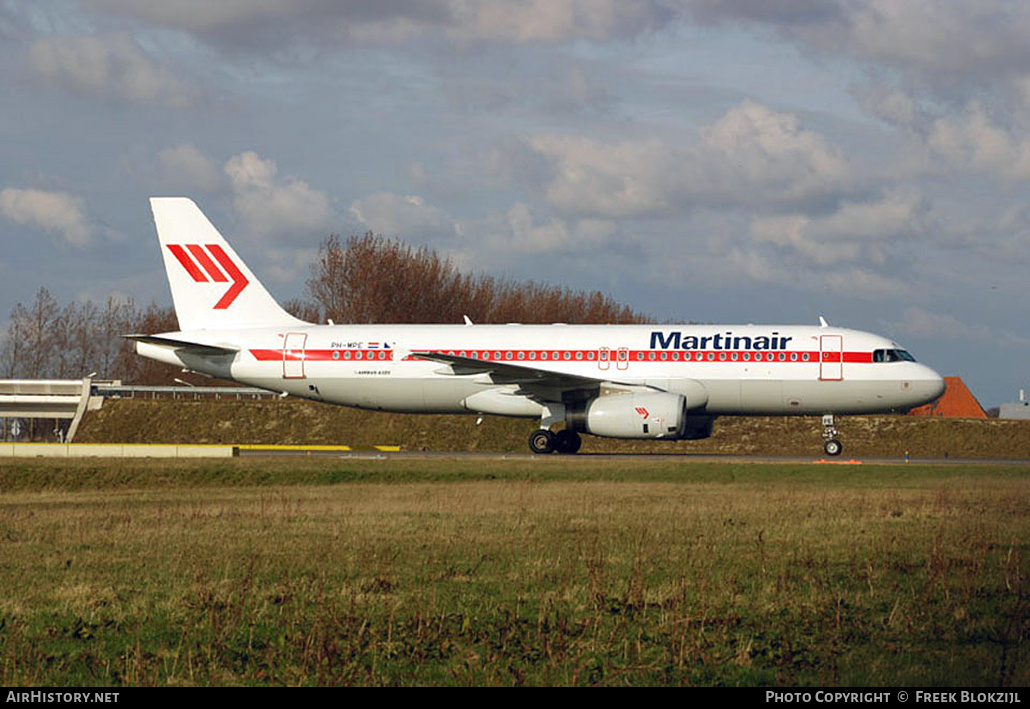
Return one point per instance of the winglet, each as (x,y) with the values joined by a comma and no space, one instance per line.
(822,322)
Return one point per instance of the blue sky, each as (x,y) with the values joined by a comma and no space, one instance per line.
(733,161)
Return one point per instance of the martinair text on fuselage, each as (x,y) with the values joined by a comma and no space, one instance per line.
(719,341)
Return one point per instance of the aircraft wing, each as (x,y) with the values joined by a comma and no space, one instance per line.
(534,382)
(201,348)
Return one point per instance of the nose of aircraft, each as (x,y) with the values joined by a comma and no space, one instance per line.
(927,385)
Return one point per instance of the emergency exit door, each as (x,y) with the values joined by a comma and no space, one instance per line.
(293,355)
(831,357)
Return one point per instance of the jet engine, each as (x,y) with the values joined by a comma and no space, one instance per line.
(632,415)
(697,427)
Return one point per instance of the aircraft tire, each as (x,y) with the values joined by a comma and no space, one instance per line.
(567,442)
(833,447)
(542,441)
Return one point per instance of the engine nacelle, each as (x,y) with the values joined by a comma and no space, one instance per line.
(632,415)
(697,427)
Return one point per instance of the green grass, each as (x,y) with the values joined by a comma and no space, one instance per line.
(538,572)
(295,421)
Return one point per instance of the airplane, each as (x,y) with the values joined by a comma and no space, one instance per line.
(662,382)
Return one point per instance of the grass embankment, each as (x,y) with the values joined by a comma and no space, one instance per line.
(294,421)
(546,571)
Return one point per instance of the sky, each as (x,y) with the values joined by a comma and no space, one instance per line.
(723,161)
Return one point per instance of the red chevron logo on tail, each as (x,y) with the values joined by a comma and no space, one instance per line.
(202,269)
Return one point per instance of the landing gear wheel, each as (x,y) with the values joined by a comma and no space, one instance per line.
(832,446)
(542,441)
(567,442)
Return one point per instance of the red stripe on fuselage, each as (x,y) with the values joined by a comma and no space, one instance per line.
(525,357)
(264,355)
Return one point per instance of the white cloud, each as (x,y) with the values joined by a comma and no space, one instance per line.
(187,167)
(752,156)
(943,45)
(890,104)
(417,173)
(385,23)
(974,141)
(519,232)
(754,147)
(405,217)
(54,212)
(866,248)
(857,231)
(919,322)
(523,21)
(284,207)
(764,267)
(923,323)
(203,15)
(485,242)
(942,42)
(112,65)
(608,179)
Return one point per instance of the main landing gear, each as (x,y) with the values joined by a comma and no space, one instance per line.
(565,442)
(543,440)
(831,445)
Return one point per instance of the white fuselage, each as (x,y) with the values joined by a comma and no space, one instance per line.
(619,381)
(720,369)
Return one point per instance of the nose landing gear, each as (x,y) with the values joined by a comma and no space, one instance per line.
(831,445)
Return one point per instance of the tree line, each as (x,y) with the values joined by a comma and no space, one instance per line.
(364,279)
(373,279)
(47,340)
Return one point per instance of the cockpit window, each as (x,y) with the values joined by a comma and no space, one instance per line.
(892,356)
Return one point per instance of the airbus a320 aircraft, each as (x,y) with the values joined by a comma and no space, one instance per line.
(620,381)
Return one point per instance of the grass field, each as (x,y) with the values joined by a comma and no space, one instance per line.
(295,421)
(538,572)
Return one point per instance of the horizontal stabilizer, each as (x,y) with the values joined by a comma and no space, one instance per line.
(173,343)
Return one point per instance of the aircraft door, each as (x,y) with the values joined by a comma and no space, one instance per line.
(831,357)
(604,358)
(622,361)
(293,355)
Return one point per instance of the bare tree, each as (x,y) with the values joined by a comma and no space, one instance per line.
(15,342)
(75,339)
(119,356)
(371,279)
(48,340)
(30,346)
(306,310)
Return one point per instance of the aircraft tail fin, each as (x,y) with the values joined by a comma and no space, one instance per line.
(212,288)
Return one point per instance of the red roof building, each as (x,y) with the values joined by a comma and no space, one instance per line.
(956,402)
